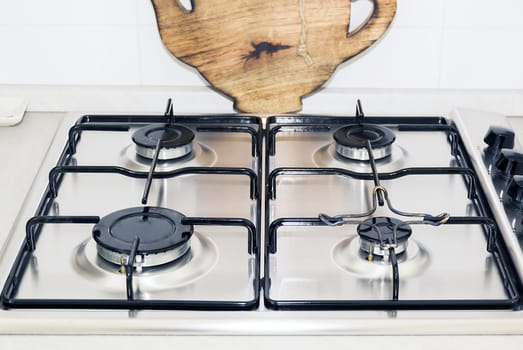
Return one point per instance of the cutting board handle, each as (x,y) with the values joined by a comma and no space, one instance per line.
(267,54)
(374,26)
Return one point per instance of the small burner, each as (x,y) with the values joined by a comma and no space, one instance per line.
(377,236)
(176,141)
(351,141)
(163,236)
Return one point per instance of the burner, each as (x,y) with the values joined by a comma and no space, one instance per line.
(377,236)
(163,236)
(351,141)
(348,256)
(198,261)
(176,141)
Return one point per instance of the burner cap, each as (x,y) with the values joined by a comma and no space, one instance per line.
(377,235)
(351,141)
(163,236)
(176,141)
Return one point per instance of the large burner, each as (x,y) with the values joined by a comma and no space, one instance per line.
(163,236)
(351,141)
(379,234)
(176,141)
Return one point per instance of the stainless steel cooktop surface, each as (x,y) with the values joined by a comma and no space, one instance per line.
(330,224)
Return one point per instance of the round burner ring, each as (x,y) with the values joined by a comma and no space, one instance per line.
(351,141)
(163,236)
(176,141)
(377,236)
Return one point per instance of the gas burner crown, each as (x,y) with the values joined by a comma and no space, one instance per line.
(379,234)
(176,141)
(351,141)
(163,236)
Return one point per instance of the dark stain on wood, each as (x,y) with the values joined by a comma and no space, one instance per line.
(264,46)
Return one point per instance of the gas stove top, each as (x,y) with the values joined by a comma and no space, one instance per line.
(411,230)
(175,230)
(385,218)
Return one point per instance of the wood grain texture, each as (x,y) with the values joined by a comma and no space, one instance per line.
(249,49)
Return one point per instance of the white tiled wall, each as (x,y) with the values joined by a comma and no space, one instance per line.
(448,44)
(435,44)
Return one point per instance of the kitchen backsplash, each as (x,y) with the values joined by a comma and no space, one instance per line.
(432,44)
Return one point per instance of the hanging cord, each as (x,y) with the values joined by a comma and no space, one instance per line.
(302,48)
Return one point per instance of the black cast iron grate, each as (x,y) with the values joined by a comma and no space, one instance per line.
(313,124)
(66,164)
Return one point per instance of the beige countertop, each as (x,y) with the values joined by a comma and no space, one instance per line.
(22,149)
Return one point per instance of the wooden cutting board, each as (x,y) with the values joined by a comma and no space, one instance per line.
(267,54)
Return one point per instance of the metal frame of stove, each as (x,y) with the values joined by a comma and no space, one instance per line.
(115,123)
(495,246)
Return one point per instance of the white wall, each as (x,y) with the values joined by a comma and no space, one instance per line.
(438,45)
(445,44)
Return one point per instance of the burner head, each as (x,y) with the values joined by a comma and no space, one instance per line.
(176,141)
(352,139)
(377,236)
(163,236)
